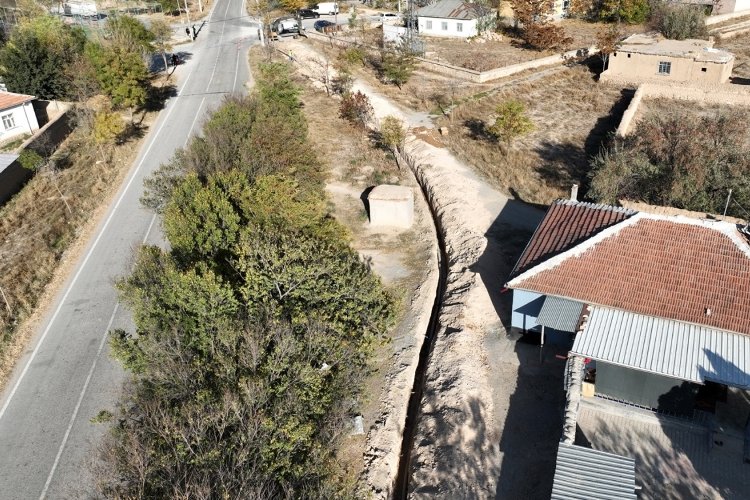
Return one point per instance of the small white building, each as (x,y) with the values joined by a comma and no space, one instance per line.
(391,205)
(17,115)
(455,18)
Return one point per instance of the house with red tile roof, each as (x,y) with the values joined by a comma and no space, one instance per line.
(654,311)
(17,116)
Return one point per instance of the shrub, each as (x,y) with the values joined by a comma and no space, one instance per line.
(678,22)
(686,160)
(537,31)
(356,109)
(397,65)
(511,121)
(627,11)
(392,133)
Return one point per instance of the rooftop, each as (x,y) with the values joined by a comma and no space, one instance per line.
(691,270)
(652,44)
(390,192)
(566,224)
(453,9)
(9,99)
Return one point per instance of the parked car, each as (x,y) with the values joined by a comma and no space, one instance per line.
(307,14)
(389,15)
(322,25)
(285,26)
(327,8)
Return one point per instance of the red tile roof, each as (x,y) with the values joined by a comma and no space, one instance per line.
(9,99)
(566,224)
(668,267)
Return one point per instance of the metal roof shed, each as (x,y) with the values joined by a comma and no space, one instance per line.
(585,474)
(560,314)
(675,349)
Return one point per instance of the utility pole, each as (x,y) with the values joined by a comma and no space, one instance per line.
(726,207)
(187,12)
(200,5)
(260,24)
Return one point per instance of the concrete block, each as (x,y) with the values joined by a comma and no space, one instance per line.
(391,206)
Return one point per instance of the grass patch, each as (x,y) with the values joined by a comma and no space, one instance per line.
(572,115)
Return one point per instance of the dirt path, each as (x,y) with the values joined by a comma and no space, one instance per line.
(457,452)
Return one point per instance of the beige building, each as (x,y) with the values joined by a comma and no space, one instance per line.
(641,58)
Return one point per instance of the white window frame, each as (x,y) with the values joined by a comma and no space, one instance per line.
(8,119)
(665,67)
(444,25)
(428,25)
(460,27)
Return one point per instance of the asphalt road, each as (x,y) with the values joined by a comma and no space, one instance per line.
(48,443)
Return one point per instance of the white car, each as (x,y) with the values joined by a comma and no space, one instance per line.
(389,15)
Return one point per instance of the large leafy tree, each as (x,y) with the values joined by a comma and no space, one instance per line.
(253,330)
(684,160)
(35,59)
(122,74)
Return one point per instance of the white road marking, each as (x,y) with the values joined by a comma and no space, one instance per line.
(88,254)
(88,380)
(78,404)
(190,132)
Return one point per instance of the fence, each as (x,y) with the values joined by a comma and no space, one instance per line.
(728,94)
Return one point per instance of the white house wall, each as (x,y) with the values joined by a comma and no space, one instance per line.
(526,307)
(469,27)
(24,120)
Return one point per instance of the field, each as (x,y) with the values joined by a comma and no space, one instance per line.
(572,115)
(505,49)
(740,47)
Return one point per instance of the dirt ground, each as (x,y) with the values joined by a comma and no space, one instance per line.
(740,47)
(572,114)
(505,48)
(404,259)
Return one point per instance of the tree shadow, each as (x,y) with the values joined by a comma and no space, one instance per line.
(478,130)
(157,97)
(365,197)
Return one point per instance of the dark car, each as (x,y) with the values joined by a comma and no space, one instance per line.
(324,25)
(307,14)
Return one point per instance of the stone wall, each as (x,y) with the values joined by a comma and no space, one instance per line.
(709,94)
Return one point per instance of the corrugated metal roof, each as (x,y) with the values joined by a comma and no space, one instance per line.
(560,314)
(676,349)
(454,9)
(586,474)
(6,160)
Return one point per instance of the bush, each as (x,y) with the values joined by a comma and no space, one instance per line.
(511,121)
(392,133)
(686,161)
(627,11)
(397,65)
(356,109)
(678,22)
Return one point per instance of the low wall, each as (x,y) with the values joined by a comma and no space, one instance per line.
(12,179)
(716,94)
(47,138)
(726,17)
(470,74)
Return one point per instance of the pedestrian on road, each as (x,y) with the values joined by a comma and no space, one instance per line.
(258,33)
(195,33)
(187,32)
(291,55)
(175,60)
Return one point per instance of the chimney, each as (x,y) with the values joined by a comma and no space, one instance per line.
(574,192)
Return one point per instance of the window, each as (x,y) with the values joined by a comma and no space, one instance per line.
(665,67)
(629,56)
(459,27)
(8,121)
(428,25)
(704,69)
(444,26)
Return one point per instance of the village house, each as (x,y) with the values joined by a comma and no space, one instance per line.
(455,18)
(17,116)
(655,312)
(642,57)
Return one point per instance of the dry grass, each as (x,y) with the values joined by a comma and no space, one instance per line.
(572,115)
(740,47)
(355,163)
(38,226)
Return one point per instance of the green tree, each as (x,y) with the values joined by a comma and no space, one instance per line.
(108,126)
(678,22)
(392,133)
(397,64)
(683,160)
(122,75)
(35,58)
(162,32)
(627,11)
(511,121)
(129,34)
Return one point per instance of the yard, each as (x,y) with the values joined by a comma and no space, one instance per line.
(572,115)
(503,49)
(740,47)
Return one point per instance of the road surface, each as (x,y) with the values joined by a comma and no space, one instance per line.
(47,440)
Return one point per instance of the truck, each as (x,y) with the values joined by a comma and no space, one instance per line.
(286,26)
(327,8)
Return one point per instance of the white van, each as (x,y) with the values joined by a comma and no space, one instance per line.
(327,8)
